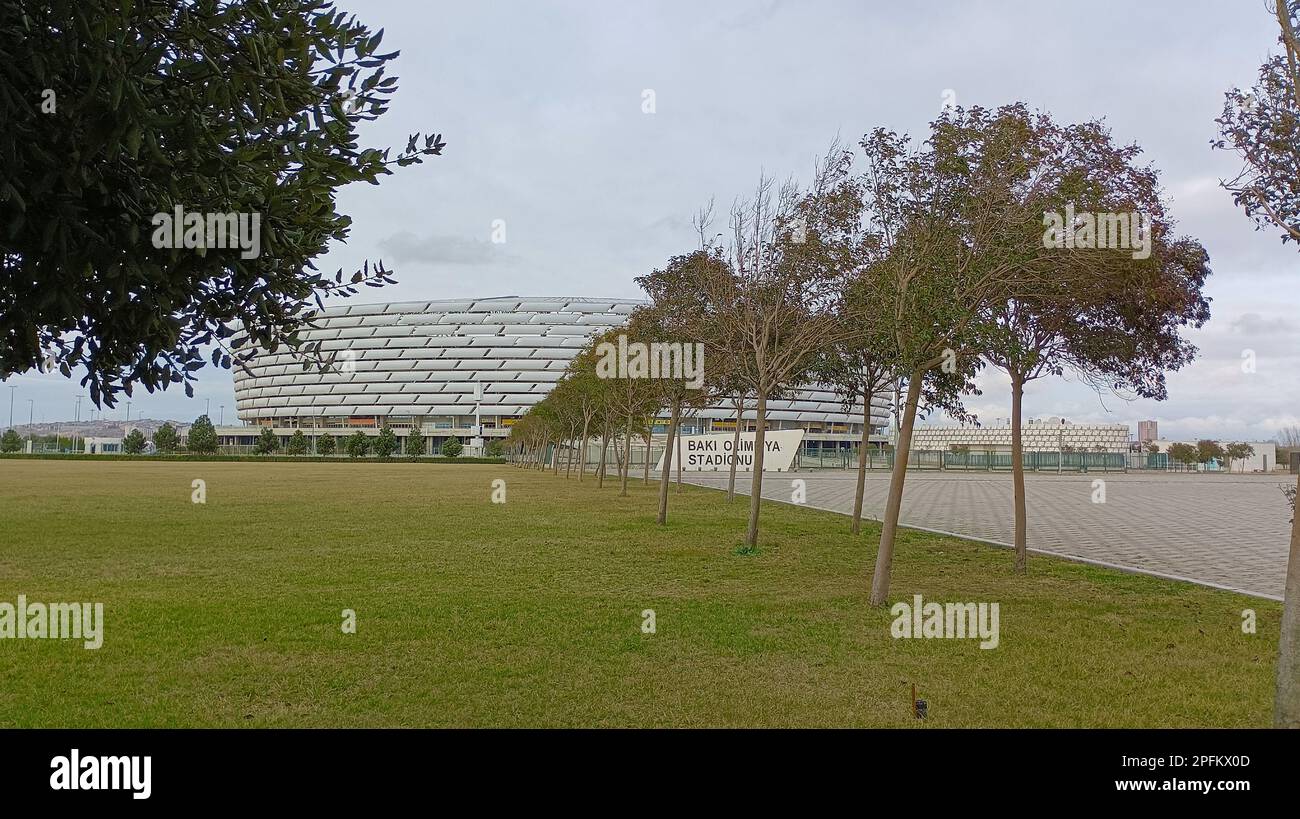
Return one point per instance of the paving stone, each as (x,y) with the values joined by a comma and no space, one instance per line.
(1230,531)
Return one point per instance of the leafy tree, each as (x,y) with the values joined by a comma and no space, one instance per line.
(358,444)
(1185,454)
(297,443)
(325,445)
(1263,127)
(385,442)
(213,108)
(268,442)
(451,448)
(495,448)
(415,443)
(1207,450)
(203,437)
(165,440)
(10,441)
(134,442)
(1238,451)
(1109,317)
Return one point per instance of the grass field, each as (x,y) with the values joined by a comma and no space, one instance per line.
(529,613)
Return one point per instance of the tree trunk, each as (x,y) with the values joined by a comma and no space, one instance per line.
(627,455)
(756,481)
(646,478)
(679,463)
(735,451)
(604,448)
(1286,706)
(668,464)
(862,462)
(582,459)
(1018,472)
(902,448)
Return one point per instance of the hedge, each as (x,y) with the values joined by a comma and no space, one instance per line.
(78,456)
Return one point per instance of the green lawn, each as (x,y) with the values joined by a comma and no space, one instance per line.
(529,613)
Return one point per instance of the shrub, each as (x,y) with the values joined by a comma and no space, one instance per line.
(385,443)
(415,445)
(325,445)
(451,448)
(10,442)
(166,440)
(133,443)
(203,437)
(494,449)
(297,444)
(267,443)
(358,444)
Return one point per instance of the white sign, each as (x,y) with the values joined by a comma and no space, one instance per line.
(712,453)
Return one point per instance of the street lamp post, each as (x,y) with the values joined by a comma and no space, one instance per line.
(12,387)
(31,413)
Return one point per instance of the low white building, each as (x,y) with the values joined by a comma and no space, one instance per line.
(1264,458)
(102,446)
(1037,435)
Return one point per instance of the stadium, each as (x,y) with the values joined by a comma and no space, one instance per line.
(469,369)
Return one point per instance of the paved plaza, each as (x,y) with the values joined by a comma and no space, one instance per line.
(1230,531)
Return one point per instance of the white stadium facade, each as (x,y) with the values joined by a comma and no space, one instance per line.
(469,368)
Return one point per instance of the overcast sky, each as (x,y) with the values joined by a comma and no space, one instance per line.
(541,104)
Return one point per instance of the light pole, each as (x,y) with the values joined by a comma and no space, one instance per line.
(12,387)
(31,413)
(207,408)
(221,414)
(128,412)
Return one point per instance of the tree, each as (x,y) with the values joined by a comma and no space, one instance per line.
(202,438)
(174,108)
(415,445)
(1185,454)
(165,440)
(10,441)
(297,443)
(861,365)
(1207,451)
(326,445)
(494,448)
(1238,451)
(358,444)
(385,442)
(451,448)
(771,301)
(1263,127)
(134,442)
(267,443)
(933,221)
(1289,436)
(1110,317)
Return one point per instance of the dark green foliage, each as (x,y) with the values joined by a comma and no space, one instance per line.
(203,437)
(134,442)
(385,443)
(358,444)
(165,440)
(297,444)
(325,445)
(451,448)
(114,112)
(267,443)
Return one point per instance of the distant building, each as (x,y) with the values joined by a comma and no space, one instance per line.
(1037,435)
(1264,459)
(1147,432)
(102,446)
